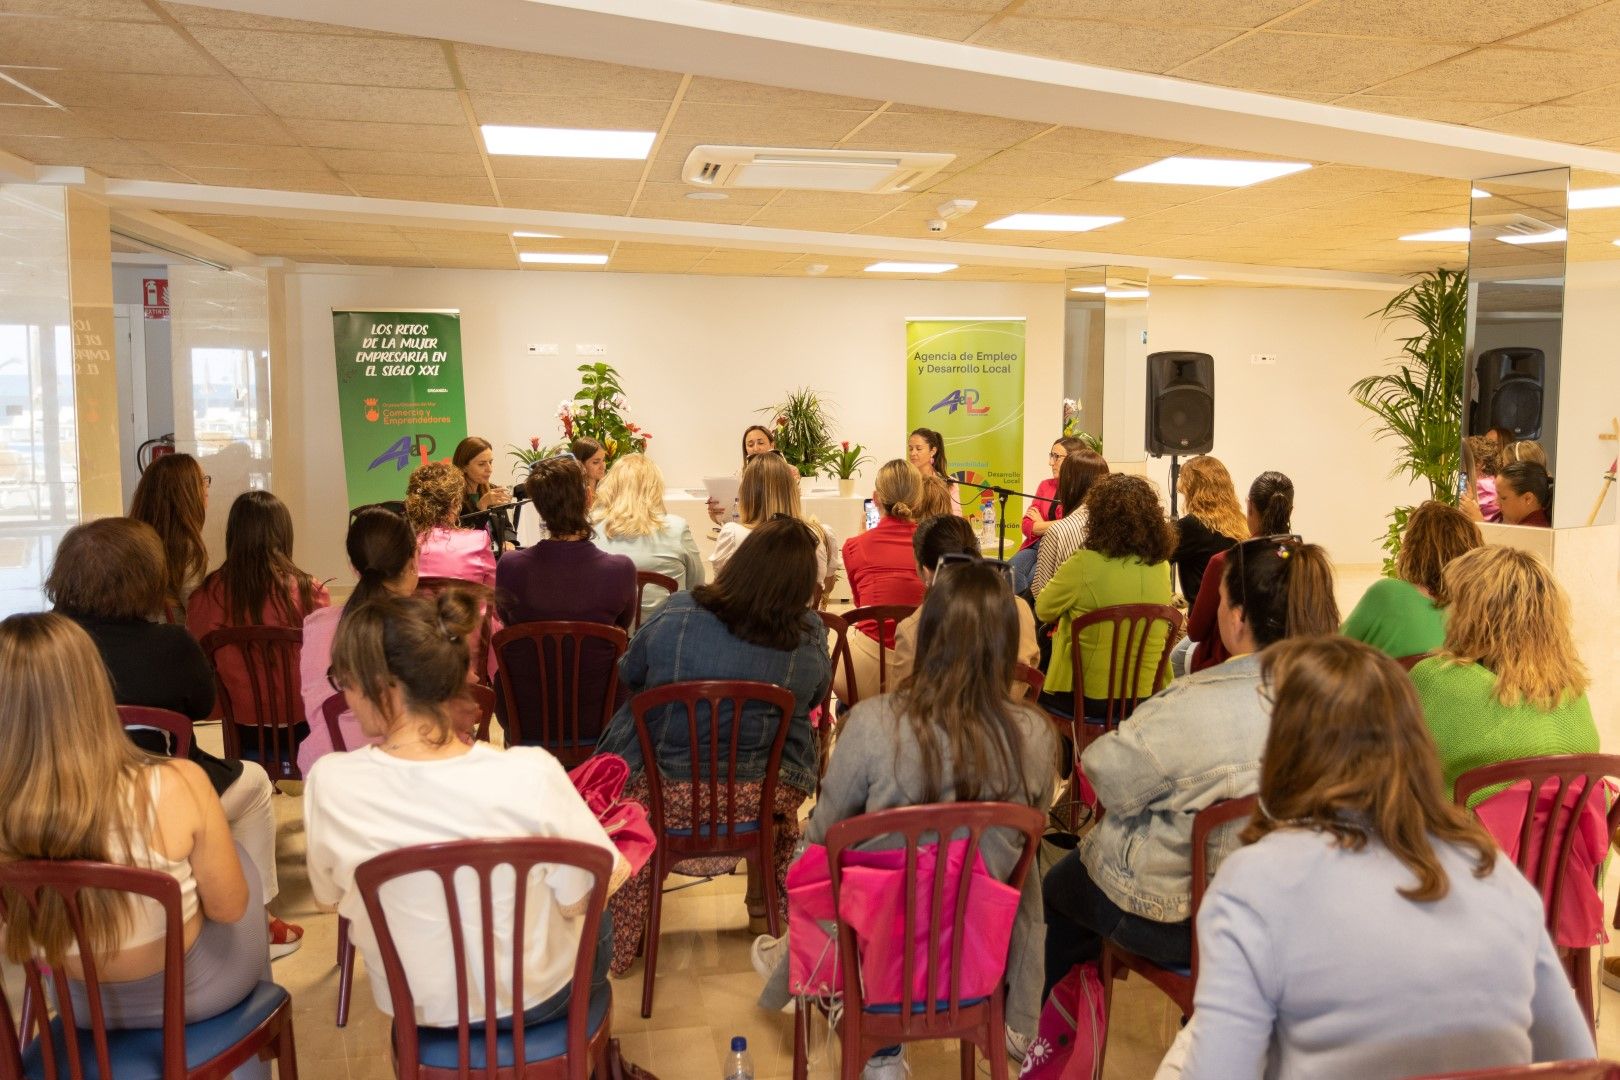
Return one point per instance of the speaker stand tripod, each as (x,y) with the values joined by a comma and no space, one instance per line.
(1175,484)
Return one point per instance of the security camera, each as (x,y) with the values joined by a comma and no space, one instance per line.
(951,208)
(936,225)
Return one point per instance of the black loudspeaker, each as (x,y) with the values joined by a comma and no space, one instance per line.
(1510,384)
(1180,403)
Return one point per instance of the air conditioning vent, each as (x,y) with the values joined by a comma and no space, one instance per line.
(1513,224)
(871,172)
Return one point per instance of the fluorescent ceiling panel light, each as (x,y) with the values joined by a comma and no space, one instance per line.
(1188,277)
(1126,294)
(1458,235)
(567,142)
(1104,288)
(1551,236)
(1601,198)
(909,268)
(1210,172)
(556,258)
(1053,222)
(536,236)
(1478,193)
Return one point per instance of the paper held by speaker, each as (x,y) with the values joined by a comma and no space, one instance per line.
(1180,403)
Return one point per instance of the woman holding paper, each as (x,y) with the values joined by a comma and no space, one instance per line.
(756,440)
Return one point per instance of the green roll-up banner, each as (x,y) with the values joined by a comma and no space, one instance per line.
(399,396)
(965,379)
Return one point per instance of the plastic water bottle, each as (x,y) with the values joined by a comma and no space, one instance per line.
(739,1066)
(988,532)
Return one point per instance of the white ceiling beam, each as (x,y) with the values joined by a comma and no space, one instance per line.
(161,232)
(750,45)
(304,206)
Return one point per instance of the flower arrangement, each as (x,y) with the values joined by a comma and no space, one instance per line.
(524,457)
(1071,425)
(597,412)
(842,463)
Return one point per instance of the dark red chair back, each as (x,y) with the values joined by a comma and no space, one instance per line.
(1409,662)
(1032,678)
(84,1046)
(176,725)
(478,647)
(483,858)
(1547,1070)
(838,655)
(645,578)
(332,710)
(269,656)
(1579,778)
(1129,626)
(881,619)
(550,710)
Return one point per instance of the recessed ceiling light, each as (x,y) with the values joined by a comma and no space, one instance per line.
(707,196)
(1551,236)
(557,258)
(1478,193)
(1053,222)
(1601,198)
(1126,294)
(816,269)
(1458,235)
(909,268)
(536,236)
(1188,277)
(567,142)
(1090,288)
(1210,172)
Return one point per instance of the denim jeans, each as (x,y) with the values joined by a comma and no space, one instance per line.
(1079,916)
(1023,568)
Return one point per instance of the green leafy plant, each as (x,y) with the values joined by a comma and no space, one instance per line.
(1072,428)
(803,425)
(1419,401)
(842,463)
(598,412)
(524,457)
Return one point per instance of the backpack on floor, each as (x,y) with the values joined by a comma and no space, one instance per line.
(1073,1028)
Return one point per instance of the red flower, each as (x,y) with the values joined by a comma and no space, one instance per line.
(645,437)
(534,442)
(845,445)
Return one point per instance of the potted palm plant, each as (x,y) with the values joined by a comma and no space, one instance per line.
(803,430)
(1419,400)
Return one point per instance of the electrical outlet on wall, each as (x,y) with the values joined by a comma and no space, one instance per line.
(1263,358)
(545,349)
(590,350)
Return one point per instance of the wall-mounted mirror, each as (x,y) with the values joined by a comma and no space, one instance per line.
(1084,327)
(1105,354)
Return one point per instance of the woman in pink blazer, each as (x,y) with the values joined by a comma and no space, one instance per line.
(433,508)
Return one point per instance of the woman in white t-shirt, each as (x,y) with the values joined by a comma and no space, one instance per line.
(400,661)
(770,488)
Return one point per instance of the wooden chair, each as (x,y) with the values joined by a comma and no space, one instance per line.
(838,661)
(645,578)
(260,1026)
(1178,984)
(1547,1070)
(883,618)
(1409,662)
(539,665)
(432,586)
(980,1023)
(717,827)
(274,712)
(570,1048)
(1032,678)
(171,723)
(1545,864)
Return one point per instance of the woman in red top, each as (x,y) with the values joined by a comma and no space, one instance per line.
(882,570)
(1044,509)
(1271,512)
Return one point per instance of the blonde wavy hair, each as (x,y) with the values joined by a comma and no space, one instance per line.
(1212,497)
(770,486)
(433,497)
(630,499)
(1508,613)
(899,487)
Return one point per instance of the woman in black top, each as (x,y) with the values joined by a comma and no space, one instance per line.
(476,460)
(110,577)
(1214,520)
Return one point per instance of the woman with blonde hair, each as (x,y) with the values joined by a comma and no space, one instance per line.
(1405,615)
(172,497)
(631,520)
(1214,520)
(73,787)
(769,488)
(1507,682)
(1353,936)
(882,571)
(433,508)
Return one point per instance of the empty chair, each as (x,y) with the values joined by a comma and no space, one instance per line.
(263,713)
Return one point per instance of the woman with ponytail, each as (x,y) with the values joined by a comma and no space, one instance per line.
(382,551)
(1270,513)
(881,570)
(1186,748)
(401,662)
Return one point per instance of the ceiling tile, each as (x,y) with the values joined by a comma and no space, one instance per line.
(187,127)
(1595,29)
(16,95)
(719,213)
(48,151)
(1237,13)
(229,156)
(1526,76)
(402,162)
(44,120)
(1479,21)
(120,10)
(533,168)
(471,189)
(613,114)
(1070,140)
(925,129)
(726,92)
(612,198)
(192,15)
(660,192)
(143,172)
(1427,108)
(365,135)
(1154,48)
(1299,62)
(972,183)
(748,126)
(327,58)
(384,104)
(167,93)
(511,71)
(97,45)
(951,24)
(321,182)
(1561,122)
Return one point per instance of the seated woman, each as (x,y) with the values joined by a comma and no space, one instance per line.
(1370,930)
(882,571)
(1405,615)
(564,577)
(1507,682)
(109,801)
(937,537)
(1067,535)
(592,458)
(476,460)
(770,488)
(383,553)
(433,497)
(1125,561)
(948,734)
(401,661)
(1184,749)
(1270,512)
(631,520)
(1524,491)
(1043,510)
(1213,522)
(110,578)
(756,440)
(925,449)
(172,497)
(752,622)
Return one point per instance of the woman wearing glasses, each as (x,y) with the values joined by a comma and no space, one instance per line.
(1191,745)
(1043,509)
(1270,513)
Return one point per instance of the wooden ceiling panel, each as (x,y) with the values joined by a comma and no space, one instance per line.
(43,120)
(1563,122)
(1296,62)
(132,171)
(319,181)
(535,110)
(750,126)
(80,151)
(1523,76)
(509,71)
(232,156)
(726,92)
(192,15)
(719,213)
(1234,13)
(119,10)
(508,166)
(125,90)
(947,23)
(1425,108)
(365,135)
(97,45)
(174,127)
(381,104)
(661,192)
(1595,29)
(327,58)
(571,196)
(401,162)
(1442,20)
(1146,47)
(923,129)
(469,189)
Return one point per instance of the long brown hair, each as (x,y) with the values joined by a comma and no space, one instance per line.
(1435,534)
(763,591)
(955,700)
(1348,754)
(71,784)
(433,497)
(110,568)
(466,450)
(1284,587)
(380,546)
(1212,497)
(1080,469)
(258,567)
(1272,496)
(418,643)
(171,497)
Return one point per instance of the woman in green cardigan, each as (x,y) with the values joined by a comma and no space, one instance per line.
(1506,683)
(1125,560)
(1405,615)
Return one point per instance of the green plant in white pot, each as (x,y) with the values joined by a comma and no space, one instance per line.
(803,424)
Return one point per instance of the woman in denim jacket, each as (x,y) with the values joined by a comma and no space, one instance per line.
(754,622)
(1192,745)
